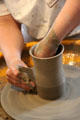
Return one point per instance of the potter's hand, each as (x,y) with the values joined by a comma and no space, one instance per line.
(47,47)
(13,76)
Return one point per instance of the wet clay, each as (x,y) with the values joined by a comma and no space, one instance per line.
(49,74)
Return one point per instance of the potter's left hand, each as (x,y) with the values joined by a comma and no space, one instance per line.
(46,47)
(15,77)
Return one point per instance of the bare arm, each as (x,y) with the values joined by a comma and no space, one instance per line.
(11,44)
(66,21)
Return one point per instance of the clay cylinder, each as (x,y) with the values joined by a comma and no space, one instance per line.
(49,74)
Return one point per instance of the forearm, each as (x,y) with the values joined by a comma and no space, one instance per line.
(67,20)
(11,40)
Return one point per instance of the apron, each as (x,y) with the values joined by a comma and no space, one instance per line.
(37,15)
(3,9)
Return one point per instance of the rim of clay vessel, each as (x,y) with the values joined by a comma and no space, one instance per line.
(33,47)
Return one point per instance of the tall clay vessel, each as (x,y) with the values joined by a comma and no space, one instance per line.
(49,74)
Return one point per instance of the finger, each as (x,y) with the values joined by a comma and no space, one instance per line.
(13,82)
(24,86)
(17,80)
(29,86)
(12,71)
(14,78)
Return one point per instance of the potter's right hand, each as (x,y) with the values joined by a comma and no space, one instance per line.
(45,48)
(48,46)
(13,76)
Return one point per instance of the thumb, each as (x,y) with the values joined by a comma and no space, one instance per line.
(12,71)
(37,49)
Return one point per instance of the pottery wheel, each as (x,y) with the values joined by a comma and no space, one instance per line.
(32,107)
